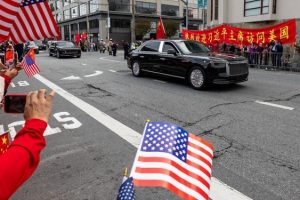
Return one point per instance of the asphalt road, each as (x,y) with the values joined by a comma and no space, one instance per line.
(257,146)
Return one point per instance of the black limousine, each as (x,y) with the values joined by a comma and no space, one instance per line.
(64,49)
(187,60)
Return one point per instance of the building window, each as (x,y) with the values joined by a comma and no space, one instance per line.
(119,5)
(94,6)
(190,13)
(94,23)
(216,9)
(82,26)
(117,23)
(52,7)
(66,2)
(274,9)
(82,9)
(74,12)
(169,10)
(58,5)
(256,7)
(66,14)
(58,17)
(145,7)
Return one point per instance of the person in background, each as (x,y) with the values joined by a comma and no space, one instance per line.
(114,48)
(259,51)
(19,48)
(279,51)
(109,46)
(22,158)
(102,46)
(126,48)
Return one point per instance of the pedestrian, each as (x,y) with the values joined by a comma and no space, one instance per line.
(279,52)
(22,158)
(19,48)
(114,48)
(259,51)
(109,46)
(273,48)
(126,48)
(102,46)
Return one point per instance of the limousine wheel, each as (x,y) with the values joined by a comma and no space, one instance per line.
(136,69)
(197,78)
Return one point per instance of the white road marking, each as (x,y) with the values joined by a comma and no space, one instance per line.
(113,71)
(219,191)
(159,81)
(275,105)
(71,78)
(83,64)
(104,58)
(97,73)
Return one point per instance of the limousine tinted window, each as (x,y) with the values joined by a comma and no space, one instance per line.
(151,46)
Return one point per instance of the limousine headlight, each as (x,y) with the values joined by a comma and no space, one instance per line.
(218,64)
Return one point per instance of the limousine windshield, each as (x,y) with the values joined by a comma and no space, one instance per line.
(189,47)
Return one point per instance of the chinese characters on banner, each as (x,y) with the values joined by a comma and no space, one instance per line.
(284,32)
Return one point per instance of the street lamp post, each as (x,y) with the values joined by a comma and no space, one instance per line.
(108,20)
(133,21)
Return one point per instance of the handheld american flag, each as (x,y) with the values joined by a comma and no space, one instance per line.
(172,158)
(29,65)
(34,21)
(126,191)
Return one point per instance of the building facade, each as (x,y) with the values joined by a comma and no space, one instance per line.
(91,16)
(252,13)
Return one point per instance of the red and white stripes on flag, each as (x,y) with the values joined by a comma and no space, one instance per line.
(34,21)
(8,12)
(188,178)
(29,65)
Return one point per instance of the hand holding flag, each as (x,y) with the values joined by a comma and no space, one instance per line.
(29,65)
(4,143)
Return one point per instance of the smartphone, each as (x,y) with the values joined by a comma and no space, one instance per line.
(14,103)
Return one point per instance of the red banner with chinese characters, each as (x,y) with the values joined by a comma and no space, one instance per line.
(284,32)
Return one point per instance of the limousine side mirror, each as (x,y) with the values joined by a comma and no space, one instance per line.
(172,51)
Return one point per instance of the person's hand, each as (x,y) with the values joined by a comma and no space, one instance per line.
(19,67)
(38,105)
(11,73)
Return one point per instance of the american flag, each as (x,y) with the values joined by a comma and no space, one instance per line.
(34,21)
(172,158)
(126,191)
(8,11)
(29,65)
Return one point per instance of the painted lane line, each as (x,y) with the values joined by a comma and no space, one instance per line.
(275,105)
(159,81)
(104,58)
(71,78)
(83,64)
(97,73)
(219,191)
(113,71)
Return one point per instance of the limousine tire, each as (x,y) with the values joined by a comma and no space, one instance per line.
(197,78)
(136,69)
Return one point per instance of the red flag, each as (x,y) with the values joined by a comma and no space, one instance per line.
(160,32)
(29,65)
(4,143)
(77,37)
(34,21)
(9,55)
(172,158)
(8,9)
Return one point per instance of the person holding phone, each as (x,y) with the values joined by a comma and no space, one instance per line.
(22,158)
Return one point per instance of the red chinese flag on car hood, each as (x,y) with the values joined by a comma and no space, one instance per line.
(4,143)
(160,32)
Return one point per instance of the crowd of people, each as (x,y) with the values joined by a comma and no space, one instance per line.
(273,54)
(22,158)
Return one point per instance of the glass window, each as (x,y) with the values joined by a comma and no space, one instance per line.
(117,23)
(74,12)
(82,9)
(94,23)
(168,46)
(151,46)
(145,7)
(256,7)
(189,47)
(52,7)
(58,17)
(67,14)
(74,27)
(216,9)
(58,5)
(169,10)
(94,6)
(66,2)
(119,5)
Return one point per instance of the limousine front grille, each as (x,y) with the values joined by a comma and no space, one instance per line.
(238,69)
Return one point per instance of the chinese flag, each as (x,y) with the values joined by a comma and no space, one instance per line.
(4,143)
(160,32)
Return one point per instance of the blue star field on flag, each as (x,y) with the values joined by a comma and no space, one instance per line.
(126,191)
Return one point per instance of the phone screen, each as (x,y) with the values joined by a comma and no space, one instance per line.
(14,103)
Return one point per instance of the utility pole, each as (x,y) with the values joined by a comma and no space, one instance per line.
(133,21)
(186,2)
(108,20)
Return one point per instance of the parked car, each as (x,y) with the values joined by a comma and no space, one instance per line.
(64,49)
(30,45)
(187,60)
(41,45)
